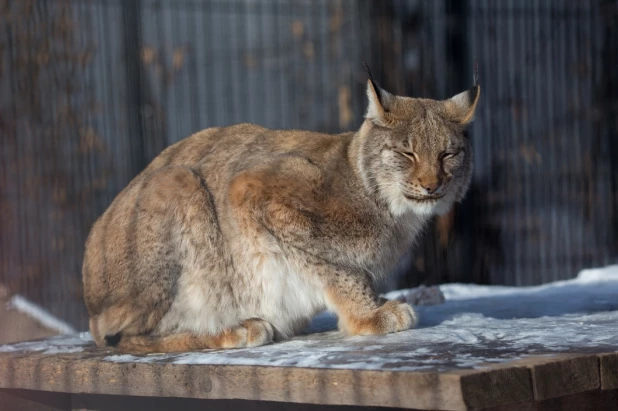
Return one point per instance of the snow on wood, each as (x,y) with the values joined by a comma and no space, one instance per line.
(475,327)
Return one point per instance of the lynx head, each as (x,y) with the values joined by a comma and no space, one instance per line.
(415,152)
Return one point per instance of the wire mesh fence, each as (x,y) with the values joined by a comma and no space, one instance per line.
(92,90)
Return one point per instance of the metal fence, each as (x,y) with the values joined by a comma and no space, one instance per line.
(544,178)
(92,90)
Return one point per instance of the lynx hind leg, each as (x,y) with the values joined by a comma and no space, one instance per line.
(250,333)
(145,262)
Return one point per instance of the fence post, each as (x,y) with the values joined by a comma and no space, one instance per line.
(131,26)
(608,93)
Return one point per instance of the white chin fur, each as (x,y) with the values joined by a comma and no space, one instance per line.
(441,207)
(400,205)
(421,208)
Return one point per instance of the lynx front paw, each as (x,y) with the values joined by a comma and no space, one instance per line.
(393,316)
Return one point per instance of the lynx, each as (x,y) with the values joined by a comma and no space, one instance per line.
(236,236)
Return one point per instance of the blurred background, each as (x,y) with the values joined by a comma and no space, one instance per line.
(92,90)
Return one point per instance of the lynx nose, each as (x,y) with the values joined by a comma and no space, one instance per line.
(430,185)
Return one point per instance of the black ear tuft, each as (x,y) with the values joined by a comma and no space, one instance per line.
(368,71)
(373,82)
(112,340)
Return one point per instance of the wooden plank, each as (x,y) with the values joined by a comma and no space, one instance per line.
(609,371)
(499,385)
(456,390)
(605,400)
(517,381)
(564,374)
(299,385)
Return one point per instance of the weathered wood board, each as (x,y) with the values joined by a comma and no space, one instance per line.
(353,371)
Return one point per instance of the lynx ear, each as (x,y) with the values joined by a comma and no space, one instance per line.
(379,101)
(462,106)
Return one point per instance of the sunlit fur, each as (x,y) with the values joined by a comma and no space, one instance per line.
(238,235)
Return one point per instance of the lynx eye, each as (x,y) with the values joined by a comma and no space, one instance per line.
(408,154)
(447,155)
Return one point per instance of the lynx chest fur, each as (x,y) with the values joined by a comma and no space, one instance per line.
(237,236)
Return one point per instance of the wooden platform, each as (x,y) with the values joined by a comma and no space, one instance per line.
(353,372)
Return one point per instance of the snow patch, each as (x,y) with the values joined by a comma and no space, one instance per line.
(605,274)
(63,350)
(54,345)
